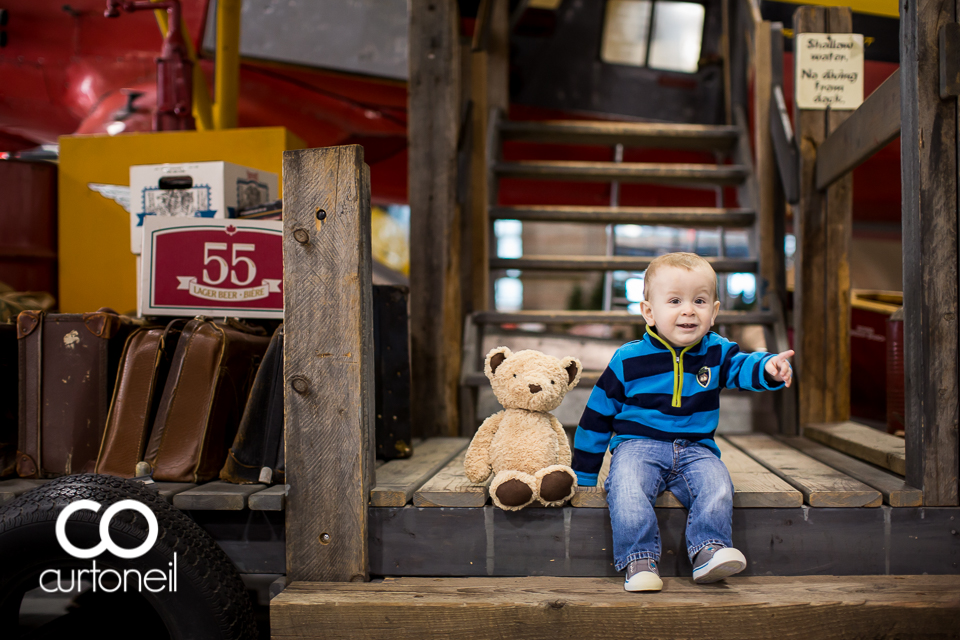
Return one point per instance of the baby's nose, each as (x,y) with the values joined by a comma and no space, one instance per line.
(535,388)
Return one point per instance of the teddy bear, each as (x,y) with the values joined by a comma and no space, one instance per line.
(524,446)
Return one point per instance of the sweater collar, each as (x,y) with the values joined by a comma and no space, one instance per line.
(659,341)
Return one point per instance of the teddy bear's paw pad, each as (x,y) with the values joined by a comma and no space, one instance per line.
(556,486)
(514,493)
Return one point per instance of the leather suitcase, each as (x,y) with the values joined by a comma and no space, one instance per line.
(9,399)
(68,366)
(203,399)
(257,451)
(391,355)
(136,397)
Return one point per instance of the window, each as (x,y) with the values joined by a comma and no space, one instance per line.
(653,33)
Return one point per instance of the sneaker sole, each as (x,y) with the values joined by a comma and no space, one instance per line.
(723,568)
(640,582)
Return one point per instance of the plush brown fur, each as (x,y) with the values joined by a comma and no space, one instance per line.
(524,446)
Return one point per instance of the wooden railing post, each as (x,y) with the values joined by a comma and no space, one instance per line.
(822,272)
(435,302)
(327,362)
(766,167)
(929,170)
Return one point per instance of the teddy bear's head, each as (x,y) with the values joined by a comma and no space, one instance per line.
(529,379)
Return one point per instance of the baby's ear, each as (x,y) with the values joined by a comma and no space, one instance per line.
(572,366)
(494,359)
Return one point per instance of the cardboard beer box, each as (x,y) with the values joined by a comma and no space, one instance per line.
(195,190)
(195,266)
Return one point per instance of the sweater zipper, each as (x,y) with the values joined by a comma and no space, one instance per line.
(677,368)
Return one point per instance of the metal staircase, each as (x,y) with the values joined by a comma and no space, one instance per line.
(730,146)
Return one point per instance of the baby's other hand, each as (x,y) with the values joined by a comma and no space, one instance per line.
(779,367)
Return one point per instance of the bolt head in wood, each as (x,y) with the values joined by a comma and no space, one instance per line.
(301,236)
(300,384)
(325,538)
(321,214)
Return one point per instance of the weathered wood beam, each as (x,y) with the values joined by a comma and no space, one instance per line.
(765,164)
(434,123)
(929,175)
(823,224)
(328,362)
(488,78)
(870,128)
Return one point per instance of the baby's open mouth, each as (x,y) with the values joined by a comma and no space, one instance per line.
(687,326)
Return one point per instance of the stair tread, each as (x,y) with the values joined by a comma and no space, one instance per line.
(630,134)
(606,317)
(691,216)
(654,172)
(612,263)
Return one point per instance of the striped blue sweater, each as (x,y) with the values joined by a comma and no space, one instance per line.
(650,390)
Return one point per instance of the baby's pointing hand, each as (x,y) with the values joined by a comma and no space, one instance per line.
(779,367)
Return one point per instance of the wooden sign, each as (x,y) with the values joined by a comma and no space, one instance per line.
(211,267)
(829,69)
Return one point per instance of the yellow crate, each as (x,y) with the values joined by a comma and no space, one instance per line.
(96,266)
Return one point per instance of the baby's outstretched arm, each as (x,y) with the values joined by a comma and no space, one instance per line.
(779,367)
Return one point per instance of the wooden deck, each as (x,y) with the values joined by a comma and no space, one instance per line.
(559,608)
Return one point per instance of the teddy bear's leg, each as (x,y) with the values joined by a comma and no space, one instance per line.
(513,490)
(556,484)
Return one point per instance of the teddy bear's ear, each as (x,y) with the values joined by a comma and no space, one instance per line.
(494,359)
(573,369)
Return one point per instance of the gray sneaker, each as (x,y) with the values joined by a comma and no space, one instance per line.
(715,563)
(642,575)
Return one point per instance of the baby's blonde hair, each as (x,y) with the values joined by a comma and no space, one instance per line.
(681,260)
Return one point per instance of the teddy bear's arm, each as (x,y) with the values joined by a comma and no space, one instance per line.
(564,445)
(476,464)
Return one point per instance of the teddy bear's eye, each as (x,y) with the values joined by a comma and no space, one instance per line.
(514,375)
(551,382)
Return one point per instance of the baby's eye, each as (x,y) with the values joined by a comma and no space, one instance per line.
(674,300)
(700,301)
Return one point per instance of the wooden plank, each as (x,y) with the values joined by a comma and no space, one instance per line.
(450,488)
(10,489)
(215,496)
(610,263)
(489,92)
(930,172)
(479,379)
(894,490)
(434,122)
(269,499)
(822,274)
(680,216)
(328,362)
(606,317)
(544,608)
(870,128)
(820,485)
(861,441)
(765,170)
(398,479)
(632,172)
(629,134)
(169,489)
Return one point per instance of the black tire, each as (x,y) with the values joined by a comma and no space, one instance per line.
(210,600)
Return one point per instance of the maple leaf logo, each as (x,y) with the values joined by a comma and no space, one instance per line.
(230,229)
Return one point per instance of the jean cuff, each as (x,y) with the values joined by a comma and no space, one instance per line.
(640,555)
(693,551)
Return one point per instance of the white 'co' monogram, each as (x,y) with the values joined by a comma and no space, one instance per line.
(106,542)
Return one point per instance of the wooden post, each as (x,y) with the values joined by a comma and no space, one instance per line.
(489,91)
(327,362)
(822,276)
(766,166)
(929,170)
(434,119)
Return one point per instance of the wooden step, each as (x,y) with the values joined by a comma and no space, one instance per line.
(637,172)
(653,135)
(672,216)
(858,440)
(612,263)
(478,379)
(606,317)
(399,479)
(559,608)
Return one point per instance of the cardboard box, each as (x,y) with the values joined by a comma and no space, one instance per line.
(217,268)
(195,190)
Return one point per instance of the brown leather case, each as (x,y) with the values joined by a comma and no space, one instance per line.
(9,399)
(68,366)
(203,399)
(136,397)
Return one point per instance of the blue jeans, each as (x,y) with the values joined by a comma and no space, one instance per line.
(640,470)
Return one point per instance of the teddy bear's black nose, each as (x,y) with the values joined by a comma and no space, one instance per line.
(535,388)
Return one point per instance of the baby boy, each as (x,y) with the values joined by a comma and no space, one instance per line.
(656,406)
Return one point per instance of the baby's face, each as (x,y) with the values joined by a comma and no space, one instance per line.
(682,305)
